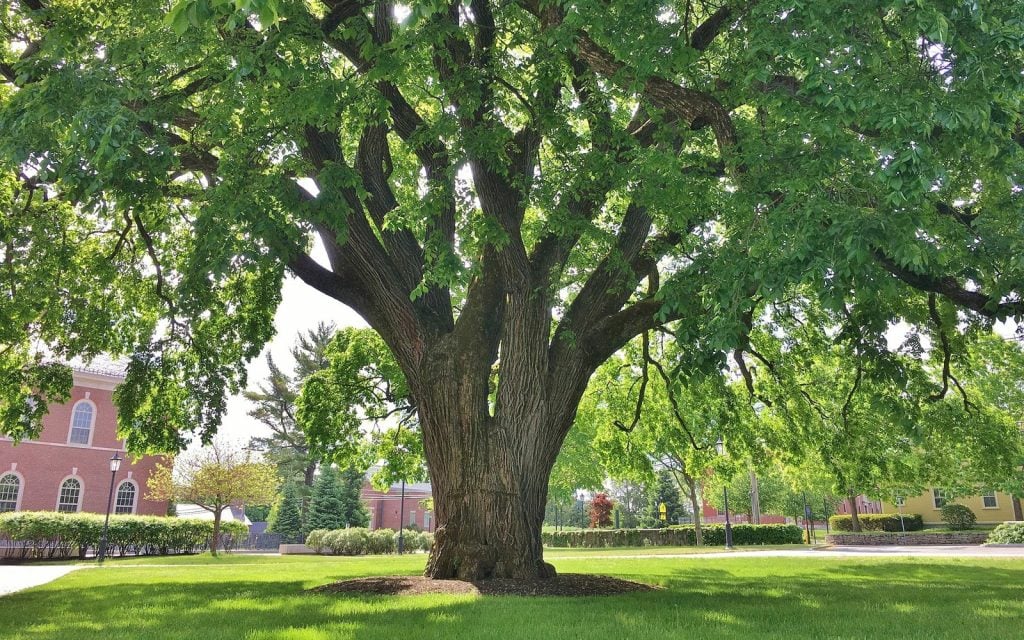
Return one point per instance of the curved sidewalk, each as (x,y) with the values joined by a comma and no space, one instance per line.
(17,577)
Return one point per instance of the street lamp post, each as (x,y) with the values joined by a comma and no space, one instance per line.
(720,448)
(401,518)
(115,464)
(581,497)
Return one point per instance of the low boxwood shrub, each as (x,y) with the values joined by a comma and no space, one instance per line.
(358,541)
(958,517)
(47,534)
(382,541)
(1007,533)
(316,540)
(347,542)
(411,540)
(878,522)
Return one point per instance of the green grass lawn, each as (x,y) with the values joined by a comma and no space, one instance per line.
(261,598)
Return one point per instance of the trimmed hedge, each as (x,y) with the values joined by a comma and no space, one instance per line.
(958,517)
(356,541)
(675,536)
(46,534)
(878,522)
(1007,533)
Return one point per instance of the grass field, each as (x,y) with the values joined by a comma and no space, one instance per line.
(261,598)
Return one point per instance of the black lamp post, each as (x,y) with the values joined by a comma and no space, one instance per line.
(115,464)
(581,497)
(720,448)
(401,517)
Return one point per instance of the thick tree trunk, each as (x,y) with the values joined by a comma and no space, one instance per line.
(490,528)
(489,458)
(855,520)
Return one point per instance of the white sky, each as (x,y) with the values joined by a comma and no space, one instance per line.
(302,308)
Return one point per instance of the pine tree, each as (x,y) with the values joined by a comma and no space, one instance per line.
(286,515)
(350,486)
(326,508)
(667,492)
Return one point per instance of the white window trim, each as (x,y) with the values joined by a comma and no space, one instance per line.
(21,486)
(92,425)
(81,493)
(135,497)
(940,496)
(995,498)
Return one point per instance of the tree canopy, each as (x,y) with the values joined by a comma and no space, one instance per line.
(507,192)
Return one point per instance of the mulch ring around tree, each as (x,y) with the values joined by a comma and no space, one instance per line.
(566,584)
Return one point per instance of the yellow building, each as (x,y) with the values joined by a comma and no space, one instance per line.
(990,508)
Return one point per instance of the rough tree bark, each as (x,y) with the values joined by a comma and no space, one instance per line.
(854,517)
(691,486)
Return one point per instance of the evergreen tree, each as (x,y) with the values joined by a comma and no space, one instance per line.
(286,515)
(350,486)
(326,508)
(666,491)
(335,503)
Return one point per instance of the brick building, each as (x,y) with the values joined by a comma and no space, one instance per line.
(386,507)
(68,467)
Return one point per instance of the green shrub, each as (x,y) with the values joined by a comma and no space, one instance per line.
(412,540)
(315,540)
(381,541)
(46,534)
(347,542)
(676,535)
(1007,533)
(878,522)
(958,517)
(358,541)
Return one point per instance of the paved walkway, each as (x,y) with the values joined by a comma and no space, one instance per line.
(17,577)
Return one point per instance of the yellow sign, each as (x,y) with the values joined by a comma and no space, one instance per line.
(662,510)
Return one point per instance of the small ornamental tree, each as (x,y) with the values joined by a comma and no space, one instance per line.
(286,515)
(601,511)
(214,478)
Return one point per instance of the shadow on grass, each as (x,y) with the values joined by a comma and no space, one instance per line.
(833,601)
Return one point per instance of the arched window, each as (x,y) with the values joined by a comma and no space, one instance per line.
(82,417)
(70,497)
(126,493)
(10,490)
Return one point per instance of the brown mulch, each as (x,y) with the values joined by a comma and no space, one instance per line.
(566,584)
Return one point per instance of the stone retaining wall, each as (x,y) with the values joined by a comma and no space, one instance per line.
(871,539)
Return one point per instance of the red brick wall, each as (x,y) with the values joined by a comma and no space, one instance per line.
(45,463)
(384,508)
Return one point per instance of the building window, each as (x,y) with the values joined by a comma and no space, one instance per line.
(70,496)
(81,423)
(412,517)
(10,487)
(900,501)
(988,500)
(938,498)
(126,493)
